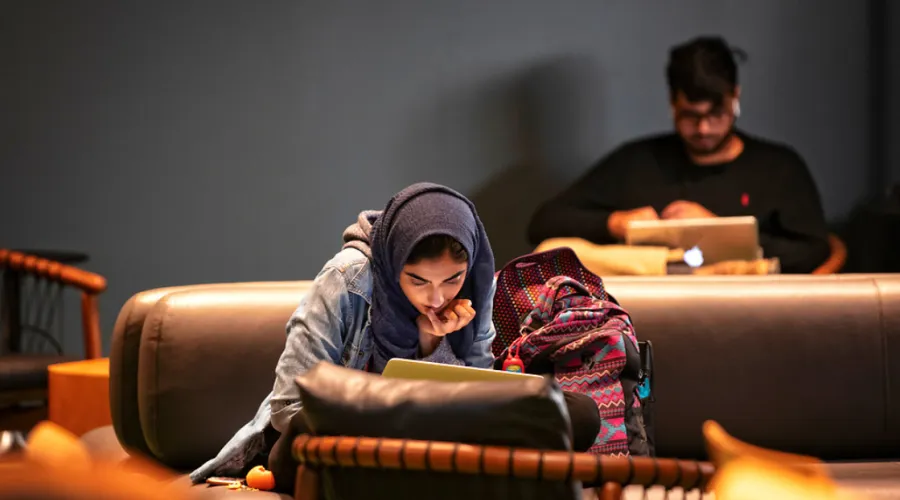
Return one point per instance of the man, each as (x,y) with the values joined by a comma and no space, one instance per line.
(707,168)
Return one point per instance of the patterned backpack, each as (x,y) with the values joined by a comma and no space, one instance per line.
(553,316)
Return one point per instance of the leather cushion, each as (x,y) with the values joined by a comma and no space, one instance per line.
(101,443)
(796,364)
(873,480)
(123,368)
(342,402)
(207,360)
(125,353)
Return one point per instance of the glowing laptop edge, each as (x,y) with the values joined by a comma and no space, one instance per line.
(424,370)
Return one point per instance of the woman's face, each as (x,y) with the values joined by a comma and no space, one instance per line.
(433,283)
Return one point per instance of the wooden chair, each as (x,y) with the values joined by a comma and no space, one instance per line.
(609,475)
(745,471)
(836,260)
(23,376)
(752,479)
(26,480)
(723,448)
(57,465)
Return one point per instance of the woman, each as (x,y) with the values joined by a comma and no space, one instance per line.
(414,281)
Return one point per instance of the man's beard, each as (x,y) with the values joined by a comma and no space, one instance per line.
(712,147)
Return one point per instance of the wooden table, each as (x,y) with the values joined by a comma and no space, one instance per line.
(79,395)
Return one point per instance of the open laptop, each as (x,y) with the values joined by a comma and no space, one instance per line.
(716,239)
(424,370)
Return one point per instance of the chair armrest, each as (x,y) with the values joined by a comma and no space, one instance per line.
(89,283)
(86,281)
(836,259)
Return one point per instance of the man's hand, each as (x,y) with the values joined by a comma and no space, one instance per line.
(682,209)
(618,220)
(435,325)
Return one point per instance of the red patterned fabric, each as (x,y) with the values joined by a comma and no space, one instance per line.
(522,280)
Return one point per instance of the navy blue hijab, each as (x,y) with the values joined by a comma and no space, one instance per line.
(417,212)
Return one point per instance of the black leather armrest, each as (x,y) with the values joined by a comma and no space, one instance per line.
(341,401)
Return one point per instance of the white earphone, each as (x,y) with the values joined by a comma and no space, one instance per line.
(736,107)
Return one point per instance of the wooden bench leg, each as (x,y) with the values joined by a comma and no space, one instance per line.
(307,486)
(610,491)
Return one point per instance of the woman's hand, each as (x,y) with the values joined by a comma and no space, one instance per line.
(433,326)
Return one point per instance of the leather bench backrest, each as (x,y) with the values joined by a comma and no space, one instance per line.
(123,368)
(207,359)
(125,348)
(797,364)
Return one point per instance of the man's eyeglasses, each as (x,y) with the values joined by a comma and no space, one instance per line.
(714,118)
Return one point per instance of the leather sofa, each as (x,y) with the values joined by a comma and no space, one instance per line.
(805,364)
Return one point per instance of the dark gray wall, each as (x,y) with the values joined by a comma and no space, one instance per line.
(891,106)
(187,142)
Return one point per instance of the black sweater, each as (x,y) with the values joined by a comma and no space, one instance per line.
(767,180)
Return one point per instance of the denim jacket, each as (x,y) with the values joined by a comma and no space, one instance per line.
(330,324)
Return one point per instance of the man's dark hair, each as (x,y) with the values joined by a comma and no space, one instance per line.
(704,69)
(434,246)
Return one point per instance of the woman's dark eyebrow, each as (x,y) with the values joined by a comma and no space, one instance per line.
(411,275)
(457,275)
